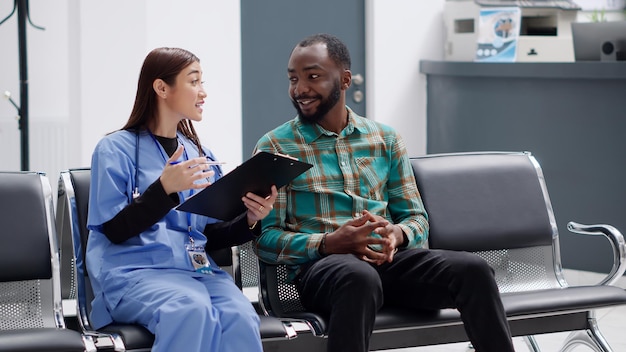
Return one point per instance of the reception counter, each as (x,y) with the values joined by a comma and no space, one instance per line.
(570,116)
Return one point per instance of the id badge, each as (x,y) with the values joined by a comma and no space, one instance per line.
(199,259)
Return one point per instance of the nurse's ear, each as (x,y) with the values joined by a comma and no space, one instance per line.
(160,88)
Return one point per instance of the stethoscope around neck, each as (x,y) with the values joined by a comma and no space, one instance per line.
(135,194)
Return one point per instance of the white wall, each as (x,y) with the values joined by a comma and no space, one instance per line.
(84,67)
(115,37)
(83,70)
(399,34)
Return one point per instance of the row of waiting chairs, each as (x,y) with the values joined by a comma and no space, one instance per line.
(42,260)
(493,204)
(496,205)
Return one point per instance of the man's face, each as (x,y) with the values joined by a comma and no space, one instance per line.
(314,82)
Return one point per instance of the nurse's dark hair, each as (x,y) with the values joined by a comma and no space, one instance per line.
(337,50)
(165,64)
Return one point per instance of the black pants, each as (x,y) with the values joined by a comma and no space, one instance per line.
(350,291)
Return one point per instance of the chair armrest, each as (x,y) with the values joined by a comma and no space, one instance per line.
(616,239)
(114,341)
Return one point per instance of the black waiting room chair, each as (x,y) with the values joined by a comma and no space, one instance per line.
(31,314)
(497,206)
(72,204)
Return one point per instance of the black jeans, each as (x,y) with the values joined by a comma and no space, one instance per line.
(349,292)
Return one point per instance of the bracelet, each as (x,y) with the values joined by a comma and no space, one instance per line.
(322,247)
(251,227)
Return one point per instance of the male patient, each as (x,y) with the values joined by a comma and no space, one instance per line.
(352,228)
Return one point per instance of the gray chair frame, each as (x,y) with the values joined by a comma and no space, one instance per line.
(73,201)
(31,312)
(496,205)
(73,197)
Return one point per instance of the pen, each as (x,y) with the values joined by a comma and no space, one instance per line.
(206,163)
(210,161)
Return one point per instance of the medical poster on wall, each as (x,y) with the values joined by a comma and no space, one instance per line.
(498,33)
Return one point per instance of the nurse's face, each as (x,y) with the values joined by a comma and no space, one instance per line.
(186,97)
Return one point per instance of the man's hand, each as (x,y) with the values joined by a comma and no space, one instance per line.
(355,236)
(392,232)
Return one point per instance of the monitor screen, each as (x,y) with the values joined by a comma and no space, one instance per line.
(589,38)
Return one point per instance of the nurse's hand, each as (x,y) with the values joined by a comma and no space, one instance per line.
(181,176)
(259,207)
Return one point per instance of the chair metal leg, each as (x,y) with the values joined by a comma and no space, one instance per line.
(90,345)
(592,338)
(118,343)
(532,344)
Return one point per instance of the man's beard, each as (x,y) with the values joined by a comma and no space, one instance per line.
(323,108)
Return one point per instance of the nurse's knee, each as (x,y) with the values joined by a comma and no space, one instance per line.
(243,317)
(186,307)
(239,321)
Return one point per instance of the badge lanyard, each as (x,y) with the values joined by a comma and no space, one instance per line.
(196,253)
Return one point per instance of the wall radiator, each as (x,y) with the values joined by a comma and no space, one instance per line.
(49,145)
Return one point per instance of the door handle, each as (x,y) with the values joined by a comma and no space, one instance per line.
(357,95)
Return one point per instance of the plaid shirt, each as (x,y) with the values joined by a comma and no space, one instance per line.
(365,167)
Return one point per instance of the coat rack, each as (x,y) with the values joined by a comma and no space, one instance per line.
(22,110)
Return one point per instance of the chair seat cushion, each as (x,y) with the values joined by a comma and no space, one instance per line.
(133,336)
(272,328)
(138,337)
(41,339)
(551,301)
(317,322)
(575,298)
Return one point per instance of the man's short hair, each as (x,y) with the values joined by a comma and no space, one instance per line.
(337,50)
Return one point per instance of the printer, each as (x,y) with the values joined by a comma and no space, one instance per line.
(545,29)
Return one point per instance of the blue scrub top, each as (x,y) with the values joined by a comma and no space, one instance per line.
(115,268)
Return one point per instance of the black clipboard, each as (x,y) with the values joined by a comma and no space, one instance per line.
(222,199)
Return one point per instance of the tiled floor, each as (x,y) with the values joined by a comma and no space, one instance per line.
(612,323)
